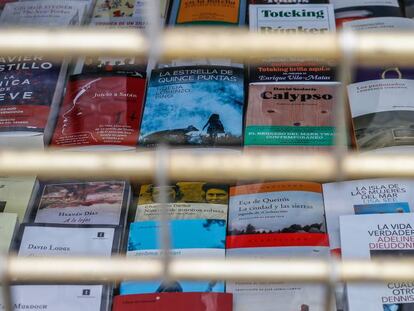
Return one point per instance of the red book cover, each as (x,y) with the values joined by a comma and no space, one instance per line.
(174,302)
(104,110)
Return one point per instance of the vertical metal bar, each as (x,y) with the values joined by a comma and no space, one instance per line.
(153,29)
(162,182)
(347,41)
(5,283)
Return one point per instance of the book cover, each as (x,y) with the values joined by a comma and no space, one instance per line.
(81,203)
(201,238)
(58,240)
(100,112)
(294,115)
(276,219)
(47,13)
(174,302)
(383,24)
(8,224)
(287,1)
(30,87)
(379,122)
(200,105)
(365,237)
(187,200)
(351,10)
(368,196)
(15,194)
(409,8)
(291,19)
(118,8)
(205,12)
(59,297)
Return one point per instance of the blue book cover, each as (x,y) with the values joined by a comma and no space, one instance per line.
(189,238)
(194,105)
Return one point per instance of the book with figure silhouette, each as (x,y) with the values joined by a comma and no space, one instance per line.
(277,219)
(195,105)
(376,237)
(351,10)
(174,302)
(201,238)
(207,13)
(186,200)
(103,202)
(100,112)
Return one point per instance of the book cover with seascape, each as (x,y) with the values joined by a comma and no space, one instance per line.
(60,240)
(367,196)
(201,106)
(15,194)
(81,203)
(207,13)
(201,238)
(174,302)
(84,297)
(380,123)
(187,200)
(118,99)
(351,10)
(8,224)
(277,219)
(366,237)
(292,116)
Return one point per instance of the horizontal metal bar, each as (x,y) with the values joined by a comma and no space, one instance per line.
(208,166)
(72,270)
(368,48)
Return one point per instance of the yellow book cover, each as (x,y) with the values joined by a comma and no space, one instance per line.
(8,223)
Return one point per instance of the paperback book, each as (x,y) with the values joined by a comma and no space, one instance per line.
(277,219)
(59,240)
(365,237)
(15,194)
(291,115)
(47,13)
(200,238)
(377,24)
(287,1)
(380,124)
(206,12)
(174,302)
(197,106)
(59,297)
(8,225)
(118,99)
(81,203)
(187,200)
(368,196)
(351,10)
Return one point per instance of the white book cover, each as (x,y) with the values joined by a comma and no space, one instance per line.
(340,4)
(379,121)
(289,19)
(286,296)
(368,237)
(368,196)
(52,13)
(58,297)
(65,241)
(383,24)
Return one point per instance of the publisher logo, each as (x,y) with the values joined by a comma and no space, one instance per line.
(86,292)
(101,234)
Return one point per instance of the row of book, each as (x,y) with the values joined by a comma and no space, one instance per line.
(102,103)
(256,221)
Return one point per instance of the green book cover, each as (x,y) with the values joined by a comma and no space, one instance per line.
(15,193)
(7,226)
